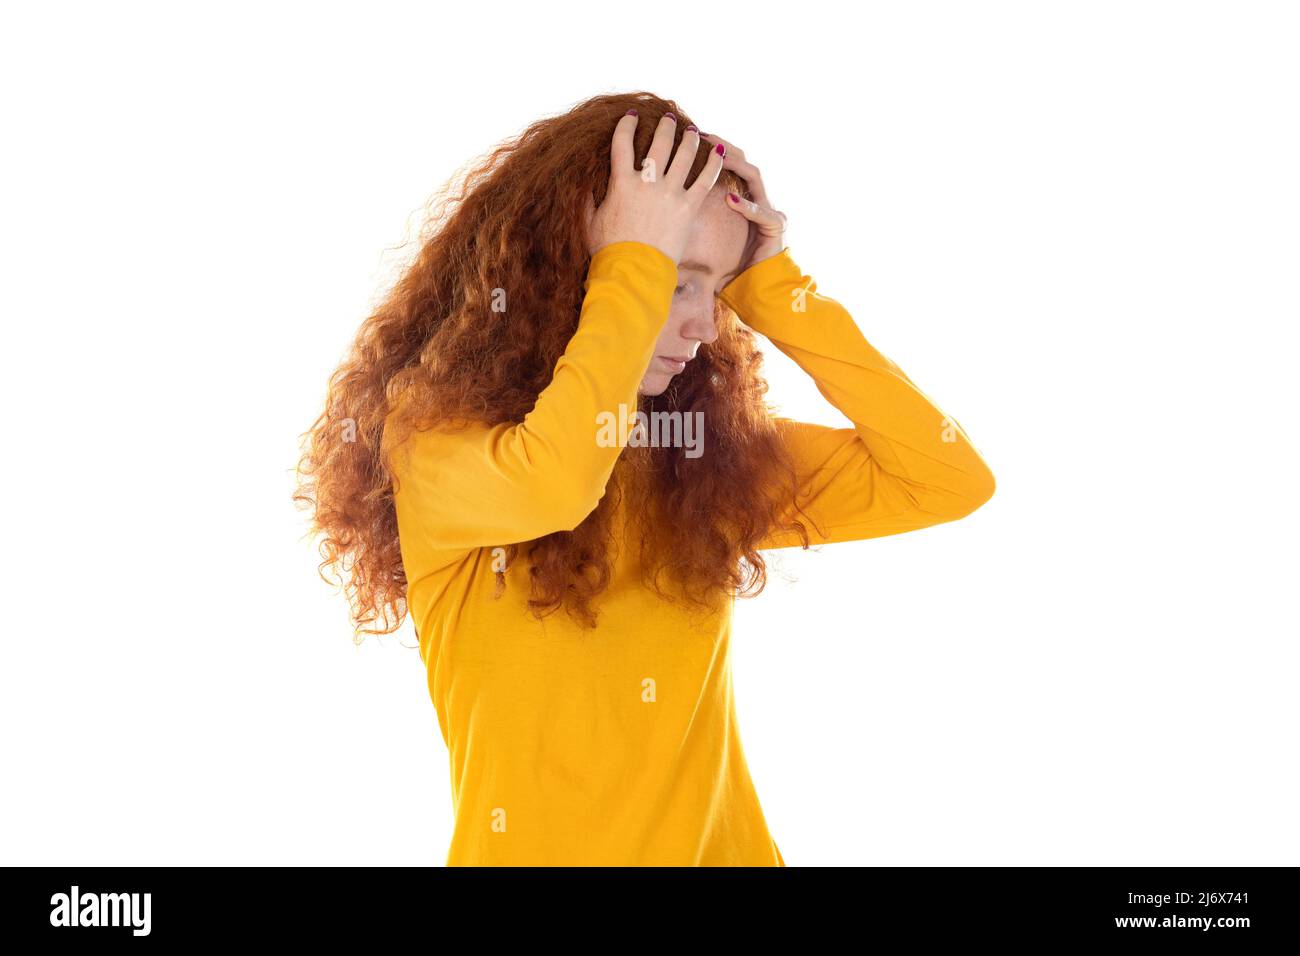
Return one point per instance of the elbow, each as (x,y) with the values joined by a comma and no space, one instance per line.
(577,513)
(555,495)
(564,512)
(975,494)
(583,499)
(955,501)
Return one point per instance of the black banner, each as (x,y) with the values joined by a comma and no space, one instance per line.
(1220,906)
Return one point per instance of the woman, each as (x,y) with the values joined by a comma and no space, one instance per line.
(571,565)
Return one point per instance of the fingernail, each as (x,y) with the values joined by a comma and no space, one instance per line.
(733,197)
(719,150)
(670,116)
(631,113)
(692,127)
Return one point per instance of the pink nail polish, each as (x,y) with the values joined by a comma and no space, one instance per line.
(719,150)
(670,116)
(631,113)
(733,197)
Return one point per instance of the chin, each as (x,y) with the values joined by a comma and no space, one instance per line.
(653,386)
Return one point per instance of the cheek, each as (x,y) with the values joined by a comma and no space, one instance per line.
(676,318)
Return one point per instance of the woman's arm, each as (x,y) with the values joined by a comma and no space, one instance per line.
(486,486)
(903,465)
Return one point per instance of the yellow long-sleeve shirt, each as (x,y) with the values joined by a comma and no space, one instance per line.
(620,746)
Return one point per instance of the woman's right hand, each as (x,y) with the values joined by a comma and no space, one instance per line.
(649,205)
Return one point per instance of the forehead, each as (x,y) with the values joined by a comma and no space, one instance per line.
(718,236)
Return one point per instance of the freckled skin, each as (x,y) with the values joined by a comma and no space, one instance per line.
(717,240)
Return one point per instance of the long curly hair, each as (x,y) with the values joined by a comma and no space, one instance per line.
(434,351)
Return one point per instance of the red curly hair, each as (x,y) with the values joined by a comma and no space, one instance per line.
(435,346)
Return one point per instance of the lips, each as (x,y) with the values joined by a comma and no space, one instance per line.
(676,364)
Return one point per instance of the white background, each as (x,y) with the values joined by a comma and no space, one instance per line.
(1074,225)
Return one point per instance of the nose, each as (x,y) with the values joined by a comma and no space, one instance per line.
(701,326)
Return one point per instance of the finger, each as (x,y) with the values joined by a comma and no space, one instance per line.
(622,158)
(707,178)
(743,168)
(769,220)
(684,158)
(732,149)
(756,188)
(660,148)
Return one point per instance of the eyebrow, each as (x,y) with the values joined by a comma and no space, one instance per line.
(695,266)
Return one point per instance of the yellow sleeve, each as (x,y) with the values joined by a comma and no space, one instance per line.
(903,465)
(484,486)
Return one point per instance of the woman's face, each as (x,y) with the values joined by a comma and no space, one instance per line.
(711,259)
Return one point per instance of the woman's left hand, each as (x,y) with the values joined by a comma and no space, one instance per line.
(767,235)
